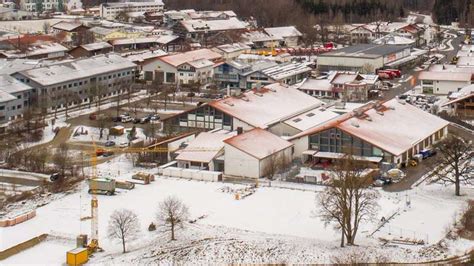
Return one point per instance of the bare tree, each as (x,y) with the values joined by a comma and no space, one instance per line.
(275,165)
(348,199)
(173,212)
(61,159)
(124,226)
(453,166)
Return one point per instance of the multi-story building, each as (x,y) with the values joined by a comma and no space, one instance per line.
(112,10)
(80,81)
(14,99)
(42,5)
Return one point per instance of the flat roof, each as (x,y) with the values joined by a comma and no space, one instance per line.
(366,50)
(213,25)
(283,71)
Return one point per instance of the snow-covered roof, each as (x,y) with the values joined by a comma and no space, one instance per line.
(311,118)
(394,39)
(133,41)
(465,61)
(268,105)
(233,47)
(213,25)
(77,69)
(6,97)
(96,46)
(343,78)
(445,75)
(462,94)
(316,84)
(205,147)
(66,25)
(210,14)
(200,63)
(284,32)
(36,50)
(259,65)
(10,66)
(258,143)
(102,30)
(140,57)
(282,71)
(181,58)
(156,3)
(392,126)
(10,85)
(259,36)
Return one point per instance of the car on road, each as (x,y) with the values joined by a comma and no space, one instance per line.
(109,143)
(136,120)
(123,144)
(385,88)
(144,120)
(154,118)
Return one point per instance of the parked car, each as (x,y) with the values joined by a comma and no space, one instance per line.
(385,88)
(136,120)
(123,144)
(116,119)
(54,177)
(154,118)
(144,120)
(126,119)
(109,143)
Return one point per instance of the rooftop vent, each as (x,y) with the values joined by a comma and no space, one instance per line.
(297,120)
(354,124)
(229,104)
(368,118)
(380,112)
(259,94)
(310,114)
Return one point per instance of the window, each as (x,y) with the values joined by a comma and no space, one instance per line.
(2,107)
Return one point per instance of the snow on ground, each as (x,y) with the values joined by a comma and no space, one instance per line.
(48,135)
(93,133)
(56,253)
(283,222)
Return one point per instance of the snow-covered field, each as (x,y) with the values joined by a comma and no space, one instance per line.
(272,225)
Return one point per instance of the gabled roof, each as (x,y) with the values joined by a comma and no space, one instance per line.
(316,84)
(96,46)
(268,105)
(258,143)
(205,147)
(284,32)
(181,58)
(66,25)
(213,25)
(392,126)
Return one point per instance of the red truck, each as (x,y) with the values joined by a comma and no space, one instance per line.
(396,72)
(385,75)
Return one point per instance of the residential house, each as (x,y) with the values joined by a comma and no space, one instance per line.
(444,82)
(290,35)
(91,49)
(232,51)
(189,67)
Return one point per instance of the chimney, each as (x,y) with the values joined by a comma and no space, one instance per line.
(228,90)
(240,130)
(258,86)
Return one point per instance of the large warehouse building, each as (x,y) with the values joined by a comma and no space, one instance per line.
(358,57)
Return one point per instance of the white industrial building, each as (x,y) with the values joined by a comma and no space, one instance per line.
(444,82)
(255,154)
(393,132)
(69,82)
(132,8)
(289,35)
(14,99)
(358,57)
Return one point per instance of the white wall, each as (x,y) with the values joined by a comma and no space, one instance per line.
(301,145)
(240,164)
(445,87)
(239,123)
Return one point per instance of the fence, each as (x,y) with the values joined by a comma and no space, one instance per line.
(22,246)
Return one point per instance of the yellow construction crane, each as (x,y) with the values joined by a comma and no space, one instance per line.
(93,245)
